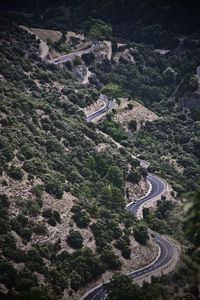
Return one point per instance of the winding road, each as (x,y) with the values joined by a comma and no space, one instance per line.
(108,104)
(167,250)
(70,56)
(157,186)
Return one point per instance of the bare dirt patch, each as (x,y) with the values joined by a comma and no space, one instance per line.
(125,55)
(102,147)
(109,51)
(139,113)
(87,76)
(45,34)
(137,190)
(44,48)
(140,256)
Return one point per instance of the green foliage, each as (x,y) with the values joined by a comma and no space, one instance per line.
(8,275)
(141,234)
(99,30)
(52,216)
(113,129)
(35,293)
(112,198)
(130,106)
(111,90)
(4,201)
(75,239)
(88,58)
(122,287)
(164,208)
(134,176)
(38,190)
(54,186)
(76,61)
(132,125)
(115,176)
(110,259)
(43,127)
(192,214)
(80,217)
(15,172)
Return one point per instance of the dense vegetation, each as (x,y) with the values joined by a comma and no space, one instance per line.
(152,22)
(150,80)
(46,143)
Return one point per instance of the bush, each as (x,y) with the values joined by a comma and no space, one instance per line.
(76,61)
(132,125)
(51,221)
(99,30)
(141,234)
(54,186)
(111,90)
(81,219)
(38,190)
(110,259)
(88,58)
(134,177)
(53,216)
(130,106)
(126,253)
(15,172)
(4,202)
(75,239)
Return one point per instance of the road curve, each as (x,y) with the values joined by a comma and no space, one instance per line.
(70,56)
(108,104)
(156,187)
(166,249)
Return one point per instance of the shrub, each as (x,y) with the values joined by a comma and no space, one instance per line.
(75,239)
(132,125)
(54,186)
(130,106)
(76,61)
(51,221)
(81,219)
(134,177)
(110,259)
(15,172)
(4,202)
(53,216)
(141,234)
(126,253)
(88,58)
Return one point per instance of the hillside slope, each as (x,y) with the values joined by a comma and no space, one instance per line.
(63,222)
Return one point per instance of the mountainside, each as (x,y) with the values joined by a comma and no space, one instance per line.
(58,192)
(151,22)
(66,180)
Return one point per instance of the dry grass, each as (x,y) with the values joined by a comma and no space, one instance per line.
(46,35)
(139,113)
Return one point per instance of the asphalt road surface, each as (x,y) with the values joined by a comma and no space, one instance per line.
(108,104)
(167,250)
(157,187)
(70,56)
